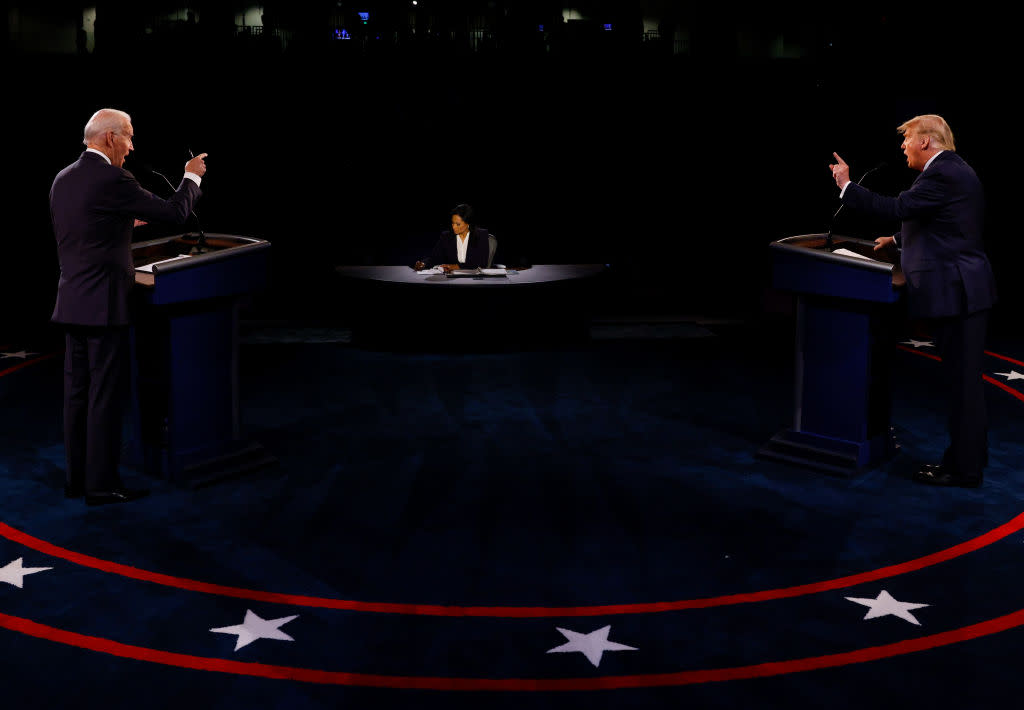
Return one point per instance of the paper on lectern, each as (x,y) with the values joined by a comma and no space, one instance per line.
(847,252)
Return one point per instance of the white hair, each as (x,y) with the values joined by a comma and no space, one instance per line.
(104,120)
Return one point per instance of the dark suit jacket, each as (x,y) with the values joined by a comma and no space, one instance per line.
(93,206)
(446,250)
(942,254)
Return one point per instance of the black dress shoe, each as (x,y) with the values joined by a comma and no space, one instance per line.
(935,475)
(71,491)
(118,495)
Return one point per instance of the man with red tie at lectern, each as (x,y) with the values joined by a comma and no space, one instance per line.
(95,204)
(949,279)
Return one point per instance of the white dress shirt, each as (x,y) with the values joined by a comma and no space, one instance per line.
(461,245)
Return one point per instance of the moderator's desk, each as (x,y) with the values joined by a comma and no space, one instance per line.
(395,305)
(539,274)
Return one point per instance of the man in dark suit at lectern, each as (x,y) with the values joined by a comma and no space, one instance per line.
(95,204)
(949,279)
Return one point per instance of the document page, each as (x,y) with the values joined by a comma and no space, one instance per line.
(847,252)
(463,273)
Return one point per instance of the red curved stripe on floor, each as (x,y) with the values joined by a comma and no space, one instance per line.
(1003,357)
(992,381)
(936,357)
(920,352)
(514,612)
(1003,386)
(20,365)
(310,675)
(988,538)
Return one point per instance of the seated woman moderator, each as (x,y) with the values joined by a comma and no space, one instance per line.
(464,247)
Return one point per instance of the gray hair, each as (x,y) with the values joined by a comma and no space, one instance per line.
(104,120)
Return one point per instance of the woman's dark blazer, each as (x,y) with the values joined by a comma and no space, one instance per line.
(446,251)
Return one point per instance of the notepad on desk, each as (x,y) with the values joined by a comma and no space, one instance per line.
(464,273)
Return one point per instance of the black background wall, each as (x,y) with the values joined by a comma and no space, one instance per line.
(577,145)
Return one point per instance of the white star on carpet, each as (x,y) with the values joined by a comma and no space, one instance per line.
(254,628)
(919,343)
(885,605)
(592,645)
(1011,375)
(20,354)
(14,573)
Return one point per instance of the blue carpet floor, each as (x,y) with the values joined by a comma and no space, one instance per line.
(456,529)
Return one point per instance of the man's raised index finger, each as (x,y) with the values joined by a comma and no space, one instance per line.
(841,161)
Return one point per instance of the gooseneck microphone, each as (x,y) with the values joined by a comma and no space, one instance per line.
(828,235)
(200,247)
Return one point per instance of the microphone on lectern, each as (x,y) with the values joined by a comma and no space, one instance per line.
(828,235)
(200,246)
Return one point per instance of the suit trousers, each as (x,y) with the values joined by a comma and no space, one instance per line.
(961,341)
(96,371)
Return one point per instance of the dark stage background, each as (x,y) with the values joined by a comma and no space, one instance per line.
(673,148)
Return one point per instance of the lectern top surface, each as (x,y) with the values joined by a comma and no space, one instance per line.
(186,251)
(845,251)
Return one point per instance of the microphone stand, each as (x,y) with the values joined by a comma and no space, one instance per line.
(200,247)
(828,236)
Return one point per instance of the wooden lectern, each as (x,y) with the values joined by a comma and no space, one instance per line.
(185,413)
(845,319)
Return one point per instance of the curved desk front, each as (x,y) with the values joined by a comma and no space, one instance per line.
(395,304)
(535,275)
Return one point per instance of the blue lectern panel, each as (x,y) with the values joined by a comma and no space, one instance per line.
(830,278)
(226,277)
(841,393)
(836,348)
(201,380)
(186,339)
